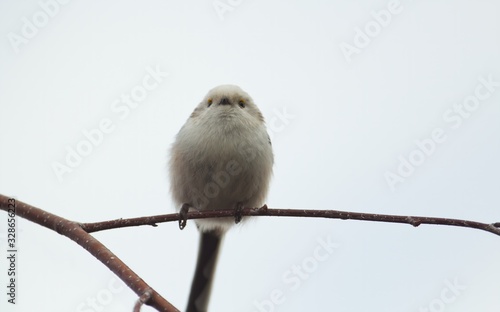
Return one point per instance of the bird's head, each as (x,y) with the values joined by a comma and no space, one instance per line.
(228,100)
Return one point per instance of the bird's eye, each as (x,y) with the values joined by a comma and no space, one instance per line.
(241,103)
(209,102)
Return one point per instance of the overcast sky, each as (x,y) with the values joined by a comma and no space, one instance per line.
(372,106)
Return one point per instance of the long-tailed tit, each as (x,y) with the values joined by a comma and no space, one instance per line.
(221,159)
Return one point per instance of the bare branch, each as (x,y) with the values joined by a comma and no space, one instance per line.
(304,213)
(79,232)
(73,231)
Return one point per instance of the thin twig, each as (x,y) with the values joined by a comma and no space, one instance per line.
(264,211)
(73,231)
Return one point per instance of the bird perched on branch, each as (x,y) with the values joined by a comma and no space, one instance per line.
(221,159)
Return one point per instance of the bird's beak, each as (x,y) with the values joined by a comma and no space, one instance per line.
(224,101)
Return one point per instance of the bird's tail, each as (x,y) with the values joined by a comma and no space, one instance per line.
(205,269)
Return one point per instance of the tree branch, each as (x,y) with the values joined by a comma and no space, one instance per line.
(73,231)
(79,232)
(264,211)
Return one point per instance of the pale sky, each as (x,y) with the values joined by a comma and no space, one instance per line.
(372,106)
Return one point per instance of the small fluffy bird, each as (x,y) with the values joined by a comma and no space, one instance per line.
(221,159)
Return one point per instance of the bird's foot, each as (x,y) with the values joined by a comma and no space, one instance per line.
(183,216)
(237,213)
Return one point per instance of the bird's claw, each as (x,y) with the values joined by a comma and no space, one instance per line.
(183,216)
(237,213)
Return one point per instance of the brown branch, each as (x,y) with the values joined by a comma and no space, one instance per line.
(79,232)
(73,231)
(264,211)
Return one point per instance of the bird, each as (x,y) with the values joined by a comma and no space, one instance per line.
(222,158)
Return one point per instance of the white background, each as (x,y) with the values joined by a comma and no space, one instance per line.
(349,121)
